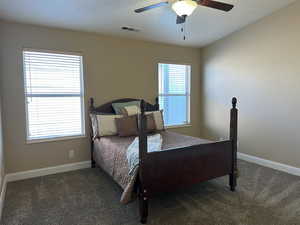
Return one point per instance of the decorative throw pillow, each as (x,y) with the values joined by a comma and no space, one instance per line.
(118,106)
(127,126)
(130,110)
(106,124)
(151,126)
(158,118)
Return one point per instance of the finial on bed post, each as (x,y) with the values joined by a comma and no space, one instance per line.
(234,101)
(92,107)
(233,138)
(156,103)
(142,106)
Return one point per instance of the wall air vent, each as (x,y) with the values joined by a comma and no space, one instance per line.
(130,29)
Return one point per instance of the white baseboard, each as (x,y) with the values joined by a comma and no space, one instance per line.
(271,164)
(2,195)
(47,171)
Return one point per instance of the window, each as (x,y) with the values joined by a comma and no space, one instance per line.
(174,93)
(54,95)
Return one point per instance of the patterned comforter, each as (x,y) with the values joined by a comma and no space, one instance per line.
(110,154)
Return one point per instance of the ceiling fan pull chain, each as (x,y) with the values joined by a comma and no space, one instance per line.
(184,32)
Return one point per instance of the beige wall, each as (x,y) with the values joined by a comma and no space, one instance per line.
(260,65)
(2,165)
(114,68)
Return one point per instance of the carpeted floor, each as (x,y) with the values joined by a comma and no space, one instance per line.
(89,197)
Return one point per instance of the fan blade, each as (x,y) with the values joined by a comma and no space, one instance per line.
(180,19)
(216,5)
(151,7)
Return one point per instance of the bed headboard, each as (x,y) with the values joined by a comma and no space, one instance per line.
(107,107)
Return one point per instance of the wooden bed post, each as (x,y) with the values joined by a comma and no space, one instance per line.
(156,103)
(142,192)
(92,109)
(233,138)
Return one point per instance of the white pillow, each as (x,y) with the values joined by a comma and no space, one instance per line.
(107,125)
(158,118)
(131,110)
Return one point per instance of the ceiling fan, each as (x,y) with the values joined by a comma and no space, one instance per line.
(184,8)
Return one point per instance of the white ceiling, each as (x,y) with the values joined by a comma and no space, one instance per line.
(204,26)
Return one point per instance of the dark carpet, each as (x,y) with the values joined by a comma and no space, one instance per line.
(89,197)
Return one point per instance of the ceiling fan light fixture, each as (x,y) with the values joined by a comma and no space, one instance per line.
(184,7)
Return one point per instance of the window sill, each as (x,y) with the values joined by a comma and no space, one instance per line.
(178,126)
(33,141)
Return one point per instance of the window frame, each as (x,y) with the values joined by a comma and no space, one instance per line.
(82,96)
(188,93)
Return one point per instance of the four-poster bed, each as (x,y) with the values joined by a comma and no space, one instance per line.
(175,167)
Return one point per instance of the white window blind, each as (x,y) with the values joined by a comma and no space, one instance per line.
(174,93)
(54,95)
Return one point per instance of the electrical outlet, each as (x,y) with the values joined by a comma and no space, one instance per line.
(71,154)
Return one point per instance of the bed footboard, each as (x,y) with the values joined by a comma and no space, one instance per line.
(175,168)
(183,167)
